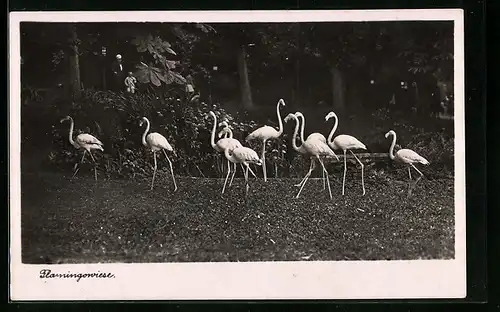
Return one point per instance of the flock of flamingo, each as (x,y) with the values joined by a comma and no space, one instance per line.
(316,146)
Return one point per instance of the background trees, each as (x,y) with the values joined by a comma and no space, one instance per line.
(392,70)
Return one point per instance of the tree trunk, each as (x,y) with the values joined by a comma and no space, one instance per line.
(246,92)
(74,60)
(337,89)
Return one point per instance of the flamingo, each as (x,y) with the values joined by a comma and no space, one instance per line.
(313,147)
(312,136)
(266,133)
(222,145)
(226,132)
(156,142)
(243,156)
(345,142)
(406,156)
(83,141)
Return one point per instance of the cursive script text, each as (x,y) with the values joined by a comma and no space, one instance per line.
(46,273)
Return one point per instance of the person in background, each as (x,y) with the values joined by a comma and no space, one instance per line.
(118,73)
(189,85)
(130,82)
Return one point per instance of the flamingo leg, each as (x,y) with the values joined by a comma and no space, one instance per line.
(421,174)
(302,181)
(244,174)
(326,173)
(311,168)
(324,182)
(171,170)
(95,165)
(345,171)
(154,170)
(362,171)
(418,179)
(250,170)
(246,179)
(227,176)
(78,165)
(263,157)
(232,176)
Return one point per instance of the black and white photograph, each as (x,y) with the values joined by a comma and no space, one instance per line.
(237,155)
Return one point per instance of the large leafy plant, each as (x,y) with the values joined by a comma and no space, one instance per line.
(160,69)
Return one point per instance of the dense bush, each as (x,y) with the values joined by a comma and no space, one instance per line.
(114,119)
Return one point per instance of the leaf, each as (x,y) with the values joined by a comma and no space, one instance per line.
(178,78)
(154,79)
(166,77)
(169,50)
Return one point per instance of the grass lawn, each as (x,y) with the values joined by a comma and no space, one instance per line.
(80,220)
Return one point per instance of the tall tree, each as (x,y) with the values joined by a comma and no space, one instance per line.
(74,61)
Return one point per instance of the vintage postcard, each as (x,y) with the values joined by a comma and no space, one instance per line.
(237,155)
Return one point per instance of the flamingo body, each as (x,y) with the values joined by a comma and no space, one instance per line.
(245,156)
(263,133)
(408,156)
(88,142)
(157,142)
(347,142)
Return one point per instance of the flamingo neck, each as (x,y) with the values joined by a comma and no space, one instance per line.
(280,131)
(228,155)
(295,133)
(71,127)
(330,136)
(145,133)
(302,127)
(212,136)
(229,133)
(391,149)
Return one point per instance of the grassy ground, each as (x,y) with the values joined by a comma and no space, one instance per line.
(80,220)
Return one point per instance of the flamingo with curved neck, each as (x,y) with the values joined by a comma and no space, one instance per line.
(83,141)
(223,144)
(157,142)
(313,147)
(315,135)
(266,133)
(345,142)
(406,156)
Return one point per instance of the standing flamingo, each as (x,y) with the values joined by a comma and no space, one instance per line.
(266,133)
(406,156)
(243,156)
(345,142)
(313,147)
(83,141)
(312,136)
(223,144)
(156,142)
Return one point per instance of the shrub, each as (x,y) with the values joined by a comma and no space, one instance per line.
(114,119)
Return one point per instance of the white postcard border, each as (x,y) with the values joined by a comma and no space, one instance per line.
(250,280)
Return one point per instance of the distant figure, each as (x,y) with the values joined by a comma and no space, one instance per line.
(118,73)
(130,82)
(189,84)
